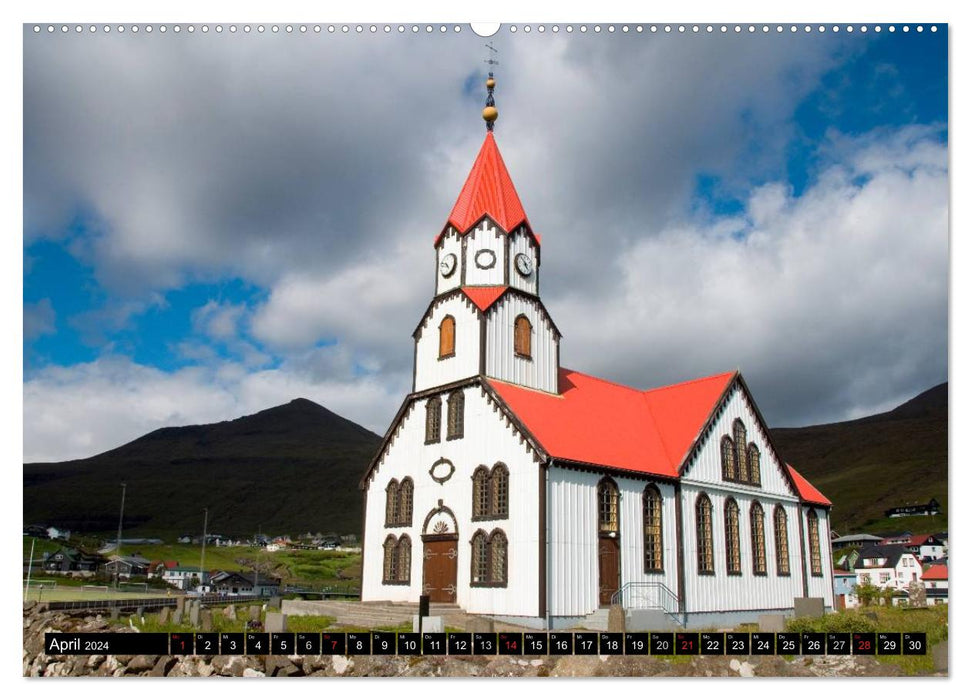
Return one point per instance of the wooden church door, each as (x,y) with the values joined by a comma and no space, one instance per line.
(440,570)
(609,556)
(608,530)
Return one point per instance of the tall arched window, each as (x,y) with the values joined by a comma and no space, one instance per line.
(733,555)
(653,542)
(754,466)
(815,556)
(498,558)
(456,414)
(757,520)
(500,490)
(406,494)
(523,336)
(480,493)
(608,502)
(738,433)
(433,420)
(390,560)
(705,545)
(781,541)
(404,560)
(480,559)
(391,503)
(728,460)
(446,337)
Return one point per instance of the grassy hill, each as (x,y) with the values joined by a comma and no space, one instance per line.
(868,465)
(289,469)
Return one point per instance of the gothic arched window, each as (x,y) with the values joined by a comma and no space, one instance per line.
(729,472)
(446,337)
(523,337)
(404,560)
(754,466)
(815,556)
(499,483)
(406,494)
(456,414)
(653,539)
(781,541)
(390,560)
(705,545)
(757,521)
(741,461)
(480,559)
(391,503)
(433,420)
(733,556)
(498,558)
(607,500)
(480,493)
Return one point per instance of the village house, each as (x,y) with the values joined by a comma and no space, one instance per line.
(239,583)
(935,582)
(890,566)
(932,507)
(517,488)
(67,559)
(126,567)
(926,547)
(844,583)
(858,540)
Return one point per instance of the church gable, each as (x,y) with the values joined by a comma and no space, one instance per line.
(447,342)
(735,450)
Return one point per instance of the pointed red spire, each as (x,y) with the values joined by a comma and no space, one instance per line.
(488,190)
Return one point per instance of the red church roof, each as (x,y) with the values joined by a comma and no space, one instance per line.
(484,297)
(488,190)
(807,491)
(938,572)
(599,422)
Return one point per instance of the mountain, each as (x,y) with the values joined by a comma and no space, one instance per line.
(288,469)
(868,465)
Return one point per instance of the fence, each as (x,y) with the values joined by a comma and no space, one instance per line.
(122,604)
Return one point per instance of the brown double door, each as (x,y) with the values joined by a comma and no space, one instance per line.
(608,554)
(440,570)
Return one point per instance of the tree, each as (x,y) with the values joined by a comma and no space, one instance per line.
(867,593)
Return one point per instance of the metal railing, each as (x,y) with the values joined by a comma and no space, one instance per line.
(648,595)
(147,603)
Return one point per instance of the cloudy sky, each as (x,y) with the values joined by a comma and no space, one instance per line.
(215,223)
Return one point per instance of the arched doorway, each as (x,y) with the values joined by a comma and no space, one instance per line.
(440,539)
(608,538)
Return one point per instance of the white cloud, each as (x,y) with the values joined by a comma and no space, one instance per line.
(39,319)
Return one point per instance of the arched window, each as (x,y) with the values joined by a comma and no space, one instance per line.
(607,500)
(500,490)
(433,420)
(498,558)
(738,435)
(480,559)
(815,556)
(391,503)
(390,560)
(523,337)
(754,467)
(757,520)
(406,494)
(480,493)
(404,560)
(446,337)
(728,460)
(705,546)
(653,542)
(781,541)
(456,414)
(733,557)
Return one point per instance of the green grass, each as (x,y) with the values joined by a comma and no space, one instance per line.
(76,593)
(933,621)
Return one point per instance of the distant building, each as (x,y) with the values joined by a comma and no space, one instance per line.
(67,559)
(935,583)
(859,540)
(932,507)
(238,583)
(843,588)
(127,567)
(891,566)
(926,547)
(185,577)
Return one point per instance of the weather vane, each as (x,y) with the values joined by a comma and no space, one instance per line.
(490,113)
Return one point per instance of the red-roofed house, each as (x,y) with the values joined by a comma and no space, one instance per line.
(925,547)
(935,583)
(536,494)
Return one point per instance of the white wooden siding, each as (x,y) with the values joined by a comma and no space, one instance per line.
(431,371)
(451,243)
(819,586)
(488,439)
(572,513)
(540,372)
(632,533)
(521,242)
(485,237)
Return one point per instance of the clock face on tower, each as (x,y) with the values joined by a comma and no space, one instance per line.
(485,259)
(447,266)
(524,264)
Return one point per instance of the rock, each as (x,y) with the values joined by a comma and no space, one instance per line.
(616,619)
(281,666)
(340,664)
(141,663)
(163,666)
(229,612)
(95,661)
(809,607)
(165,616)
(255,613)
(252,673)
(428,624)
(276,622)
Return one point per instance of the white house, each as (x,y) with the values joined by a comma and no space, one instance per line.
(926,547)
(891,566)
(935,583)
(184,576)
(514,487)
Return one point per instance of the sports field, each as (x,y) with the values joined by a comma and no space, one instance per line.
(60,593)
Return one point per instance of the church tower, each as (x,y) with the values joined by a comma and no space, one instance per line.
(486,317)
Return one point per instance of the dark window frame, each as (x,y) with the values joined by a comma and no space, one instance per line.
(704,530)
(433,420)
(652,506)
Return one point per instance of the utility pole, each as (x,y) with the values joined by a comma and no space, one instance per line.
(30,564)
(121,518)
(202,561)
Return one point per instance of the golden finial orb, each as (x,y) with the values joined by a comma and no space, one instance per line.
(490,114)
(491,83)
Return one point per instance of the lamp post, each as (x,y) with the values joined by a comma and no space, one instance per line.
(121,518)
(202,560)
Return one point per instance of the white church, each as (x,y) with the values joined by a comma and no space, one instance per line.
(519,489)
